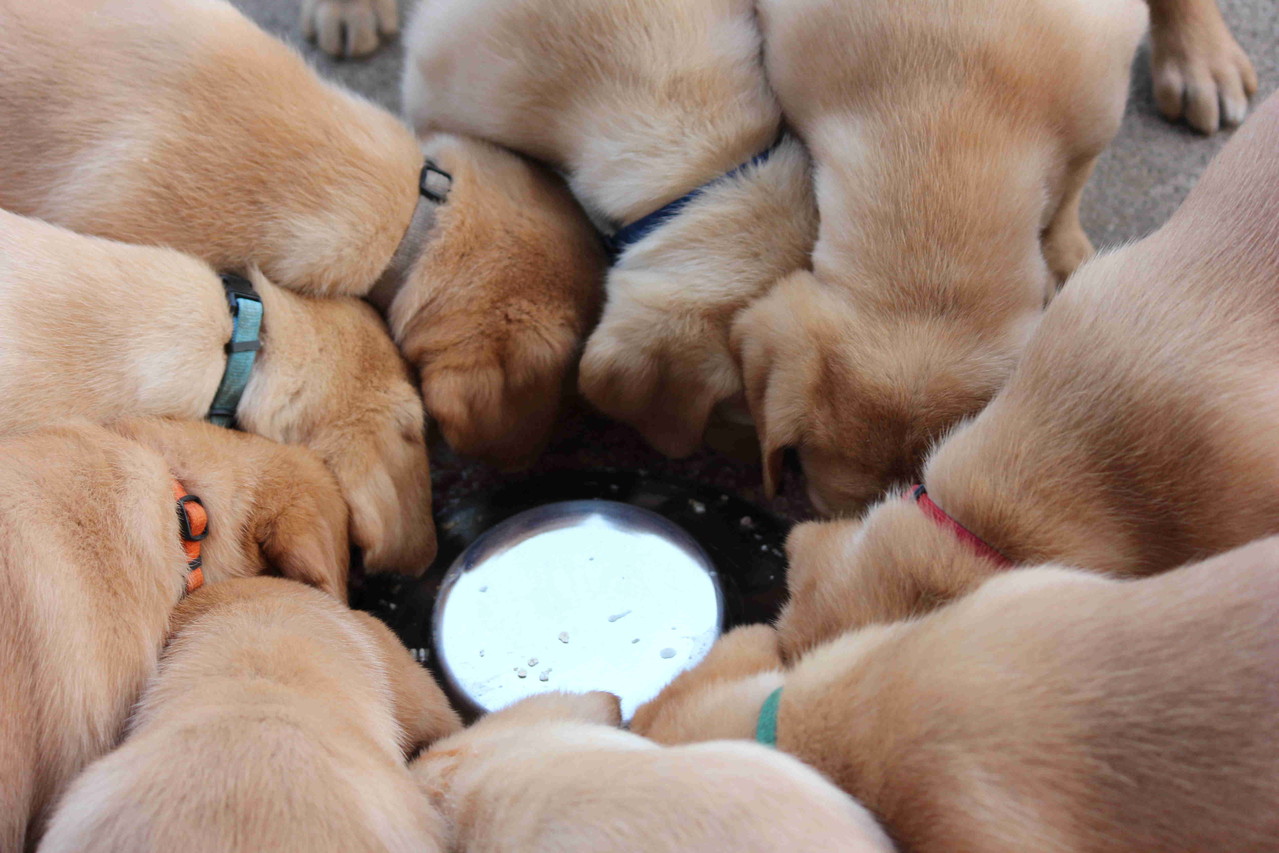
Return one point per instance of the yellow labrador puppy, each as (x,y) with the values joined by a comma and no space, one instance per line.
(1200,72)
(661,118)
(278,720)
(99,539)
(180,123)
(101,330)
(1051,710)
(952,144)
(1136,434)
(553,773)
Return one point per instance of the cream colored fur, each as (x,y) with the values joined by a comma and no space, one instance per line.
(553,773)
(951,146)
(1136,434)
(101,330)
(91,563)
(1051,710)
(638,103)
(180,123)
(278,720)
(1201,74)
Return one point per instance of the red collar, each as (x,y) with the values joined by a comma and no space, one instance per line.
(941,518)
(193,526)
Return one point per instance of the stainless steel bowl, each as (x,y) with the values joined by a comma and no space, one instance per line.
(577,595)
(594,580)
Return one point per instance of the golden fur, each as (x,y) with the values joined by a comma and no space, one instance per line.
(553,773)
(951,146)
(1051,710)
(494,357)
(1136,433)
(180,123)
(638,103)
(278,720)
(101,330)
(91,564)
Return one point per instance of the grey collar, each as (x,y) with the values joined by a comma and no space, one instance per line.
(434,185)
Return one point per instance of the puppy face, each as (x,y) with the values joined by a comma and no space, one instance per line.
(861,398)
(495,309)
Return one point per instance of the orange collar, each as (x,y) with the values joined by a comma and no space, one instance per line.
(193,525)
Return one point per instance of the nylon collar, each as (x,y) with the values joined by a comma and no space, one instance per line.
(241,350)
(627,236)
(941,518)
(433,188)
(766,725)
(193,528)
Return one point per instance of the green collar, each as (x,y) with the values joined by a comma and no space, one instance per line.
(766,726)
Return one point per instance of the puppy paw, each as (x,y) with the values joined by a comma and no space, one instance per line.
(1201,73)
(660,370)
(349,28)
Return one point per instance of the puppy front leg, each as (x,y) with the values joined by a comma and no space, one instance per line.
(349,28)
(1065,244)
(1200,72)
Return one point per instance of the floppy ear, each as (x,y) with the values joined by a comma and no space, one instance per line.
(421,708)
(556,706)
(819,559)
(741,653)
(300,521)
(777,354)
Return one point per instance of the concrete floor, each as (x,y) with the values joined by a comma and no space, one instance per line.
(1141,179)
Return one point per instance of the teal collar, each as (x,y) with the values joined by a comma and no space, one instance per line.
(241,350)
(766,726)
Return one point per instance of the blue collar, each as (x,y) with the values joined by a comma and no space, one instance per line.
(766,725)
(623,238)
(241,350)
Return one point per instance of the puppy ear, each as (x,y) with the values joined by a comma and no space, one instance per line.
(742,652)
(819,559)
(556,706)
(777,353)
(300,521)
(421,708)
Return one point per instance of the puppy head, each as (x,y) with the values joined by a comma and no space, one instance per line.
(660,358)
(494,310)
(272,507)
(861,398)
(721,696)
(421,708)
(655,366)
(371,431)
